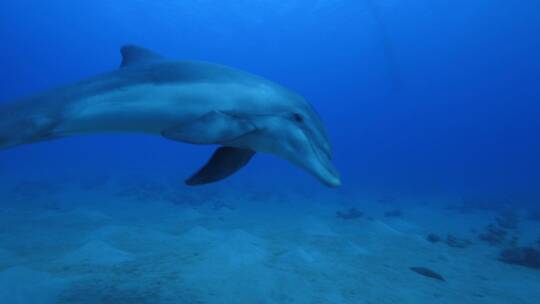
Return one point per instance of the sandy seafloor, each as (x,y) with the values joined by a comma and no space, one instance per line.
(134,240)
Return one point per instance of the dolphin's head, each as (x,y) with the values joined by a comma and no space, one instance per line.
(290,128)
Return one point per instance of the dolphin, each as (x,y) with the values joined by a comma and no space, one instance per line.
(192,102)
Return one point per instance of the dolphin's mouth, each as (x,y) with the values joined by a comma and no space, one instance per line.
(325,171)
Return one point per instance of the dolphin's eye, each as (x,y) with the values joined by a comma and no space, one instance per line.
(298,118)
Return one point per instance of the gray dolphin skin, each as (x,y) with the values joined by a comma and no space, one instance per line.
(192,102)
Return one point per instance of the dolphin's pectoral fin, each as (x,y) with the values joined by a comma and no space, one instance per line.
(224,162)
(212,128)
(215,128)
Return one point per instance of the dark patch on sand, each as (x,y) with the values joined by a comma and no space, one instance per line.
(350,214)
(433,238)
(427,273)
(493,235)
(456,242)
(524,256)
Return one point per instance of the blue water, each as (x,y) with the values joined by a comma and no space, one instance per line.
(433,108)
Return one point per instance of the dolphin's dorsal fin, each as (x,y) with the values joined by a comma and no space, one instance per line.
(134,55)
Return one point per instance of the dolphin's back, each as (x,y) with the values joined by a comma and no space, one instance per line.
(145,65)
(159,73)
(185,71)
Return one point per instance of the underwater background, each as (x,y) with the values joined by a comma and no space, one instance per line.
(433,108)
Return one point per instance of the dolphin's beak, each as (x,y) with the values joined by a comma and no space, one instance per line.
(330,178)
(321,166)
